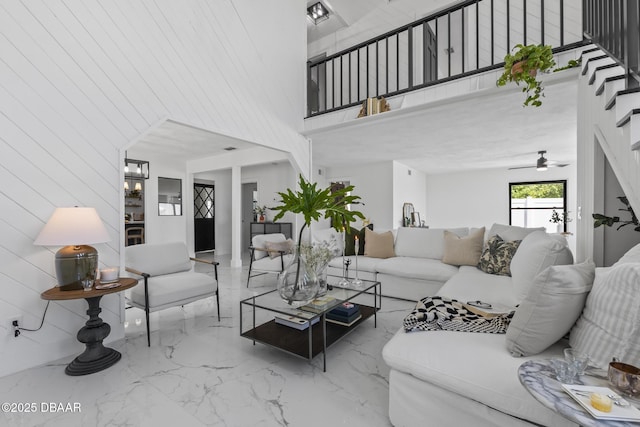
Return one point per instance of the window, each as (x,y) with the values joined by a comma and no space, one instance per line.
(531,204)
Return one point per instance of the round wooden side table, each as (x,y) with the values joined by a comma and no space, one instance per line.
(96,356)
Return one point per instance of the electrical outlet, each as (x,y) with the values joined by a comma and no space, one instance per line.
(11,328)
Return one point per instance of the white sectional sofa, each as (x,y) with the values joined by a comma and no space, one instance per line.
(417,269)
(448,378)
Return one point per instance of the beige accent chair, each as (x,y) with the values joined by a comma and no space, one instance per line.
(266,261)
(169,278)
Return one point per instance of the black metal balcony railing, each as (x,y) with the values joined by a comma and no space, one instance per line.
(614,25)
(468,38)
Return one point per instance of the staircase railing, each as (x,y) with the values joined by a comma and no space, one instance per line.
(614,25)
(468,38)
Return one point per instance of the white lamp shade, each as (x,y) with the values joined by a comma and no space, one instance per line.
(73,226)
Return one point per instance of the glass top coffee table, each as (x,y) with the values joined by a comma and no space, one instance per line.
(311,341)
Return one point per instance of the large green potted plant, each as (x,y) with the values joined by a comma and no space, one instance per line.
(313,203)
(522,67)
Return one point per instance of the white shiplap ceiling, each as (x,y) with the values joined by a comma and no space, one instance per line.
(182,142)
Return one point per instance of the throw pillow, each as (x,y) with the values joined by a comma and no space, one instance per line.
(550,309)
(349,240)
(537,251)
(463,250)
(274,248)
(378,245)
(496,257)
(608,325)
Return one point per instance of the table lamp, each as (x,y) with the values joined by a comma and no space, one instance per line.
(74,228)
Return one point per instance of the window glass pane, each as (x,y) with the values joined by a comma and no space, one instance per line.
(532,204)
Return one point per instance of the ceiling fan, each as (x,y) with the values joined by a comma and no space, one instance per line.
(542,163)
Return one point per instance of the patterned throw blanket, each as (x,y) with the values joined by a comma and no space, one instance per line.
(440,313)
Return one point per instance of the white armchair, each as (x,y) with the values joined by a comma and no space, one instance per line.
(270,253)
(169,279)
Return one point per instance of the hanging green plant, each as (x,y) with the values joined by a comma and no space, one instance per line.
(523,65)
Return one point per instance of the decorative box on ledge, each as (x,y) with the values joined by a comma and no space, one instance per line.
(373,106)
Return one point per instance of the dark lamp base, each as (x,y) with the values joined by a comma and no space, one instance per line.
(74,265)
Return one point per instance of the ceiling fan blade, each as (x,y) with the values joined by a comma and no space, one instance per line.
(521,167)
(557,165)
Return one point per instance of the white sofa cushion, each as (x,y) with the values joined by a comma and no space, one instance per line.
(417,268)
(537,251)
(608,325)
(364,263)
(473,365)
(158,258)
(511,232)
(471,284)
(550,309)
(423,242)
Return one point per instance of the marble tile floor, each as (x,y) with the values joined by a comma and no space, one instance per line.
(200,372)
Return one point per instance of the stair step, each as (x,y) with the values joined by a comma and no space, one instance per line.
(609,80)
(620,94)
(627,117)
(590,60)
(626,100)
(590,50)
(613,69)
(611,91)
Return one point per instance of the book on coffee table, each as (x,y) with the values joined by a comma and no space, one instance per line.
(295,322)
(319,304)
(345,309)
(345,323)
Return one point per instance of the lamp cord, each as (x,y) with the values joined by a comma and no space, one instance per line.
(41,323)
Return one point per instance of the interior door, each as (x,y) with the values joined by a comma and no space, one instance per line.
(204,217)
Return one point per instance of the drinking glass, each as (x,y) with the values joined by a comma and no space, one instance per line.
(565,371)
(578,360)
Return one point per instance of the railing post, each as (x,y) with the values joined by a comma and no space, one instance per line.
(632,46)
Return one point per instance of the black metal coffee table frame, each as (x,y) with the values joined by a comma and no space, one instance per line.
(313,340)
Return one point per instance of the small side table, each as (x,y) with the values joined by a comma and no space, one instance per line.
(96,357)
(539,378)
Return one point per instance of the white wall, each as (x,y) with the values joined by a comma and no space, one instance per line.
(481,198)
(270,179)
(615,242)
(408,189)
(80,81)
(374,184)
(158,228)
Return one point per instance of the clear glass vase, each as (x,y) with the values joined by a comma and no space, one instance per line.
(298,282)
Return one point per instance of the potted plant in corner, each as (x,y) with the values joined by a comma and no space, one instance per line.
(260,212)
(560,219)
(297,282)
(523,65)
